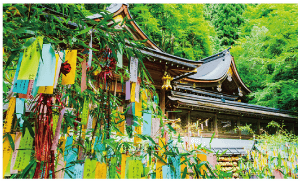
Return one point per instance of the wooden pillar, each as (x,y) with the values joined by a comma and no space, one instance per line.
(232,125)
(189,121)
(216,125)
(258,127)
(162,100)
(238,124)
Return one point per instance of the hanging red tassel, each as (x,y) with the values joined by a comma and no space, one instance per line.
(44,137)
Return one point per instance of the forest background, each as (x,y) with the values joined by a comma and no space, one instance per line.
(264,40)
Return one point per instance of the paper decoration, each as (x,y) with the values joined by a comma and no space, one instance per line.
(59,58)
(24,153)
(7,171)
(30,61)
(155,130)
(101,171)
(71,58)
(9,115)
(137,91)
(202,157)
(89,169)
(90,50)
(144,98)
(166,171)
(183,166)
(59,173)
(147,123)
(71,156)
(121,125)
(133,69)
(78,171)
(7,151)
(47,66)
(137,139)
(85,112)
(132,94)
(15,153)
(57,131)
(159,164)
(20,110)
(29,89)
(123,165)
(129,115)
(112,169)
(127,87)
(138,109)
(135,169)
(83,76)
(176,164)
(20,86)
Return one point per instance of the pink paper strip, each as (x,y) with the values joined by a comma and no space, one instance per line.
(83,76)
(57,131)
(60,165)
(15,153)
(127,90)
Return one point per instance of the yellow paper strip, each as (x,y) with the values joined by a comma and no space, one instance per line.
(7,151)
(30,62)
(159,173)
(9,115)
(138,130)
(138,109)
(132,93)
(101,170)
(123,165)
(71,57)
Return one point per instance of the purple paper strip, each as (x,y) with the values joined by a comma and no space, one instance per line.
(127,90)
(57,131)
(129,116)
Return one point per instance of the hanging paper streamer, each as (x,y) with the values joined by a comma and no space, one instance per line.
(47,66)
(20,110)
(29,89)
(135,169)
(59,171)
(20,86)
(85,112)
(57,131)
(30,61)
(159,173)
(24,153)
(123,165)
(9,115)
(89,169)
(78,171)
(155,131)
(144,98)
(15,153)
(137,139)
(132,94)
(71,58)
(176,164)
(90,50)
(138,109)
(59,58)
(202,157)
(147,122)
(133,69)
(166,171)
(129,115)
(7,171)
(127,87)
(121,125)
(101,171)
(112,169)
(83,76)
(70,156)
(137,90)
(7,151)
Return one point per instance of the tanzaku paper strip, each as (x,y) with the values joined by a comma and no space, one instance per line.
(20,86)
(71,58)
(9,115)
(7,151)
(30,62)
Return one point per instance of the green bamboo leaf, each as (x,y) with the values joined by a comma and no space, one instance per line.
(184,173)
(84,31)
(25,172)
(11,141)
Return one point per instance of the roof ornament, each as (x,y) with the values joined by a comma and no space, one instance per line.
(166,81)
(229,75)
(219,87)
(240,92)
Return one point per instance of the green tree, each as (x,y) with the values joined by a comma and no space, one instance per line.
(267,54)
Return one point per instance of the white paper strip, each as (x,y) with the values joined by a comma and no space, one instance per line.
(133,69)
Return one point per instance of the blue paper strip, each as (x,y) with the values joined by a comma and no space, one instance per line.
(20,86)
(147,123)
(166,172)
(20,110)
(47,66)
